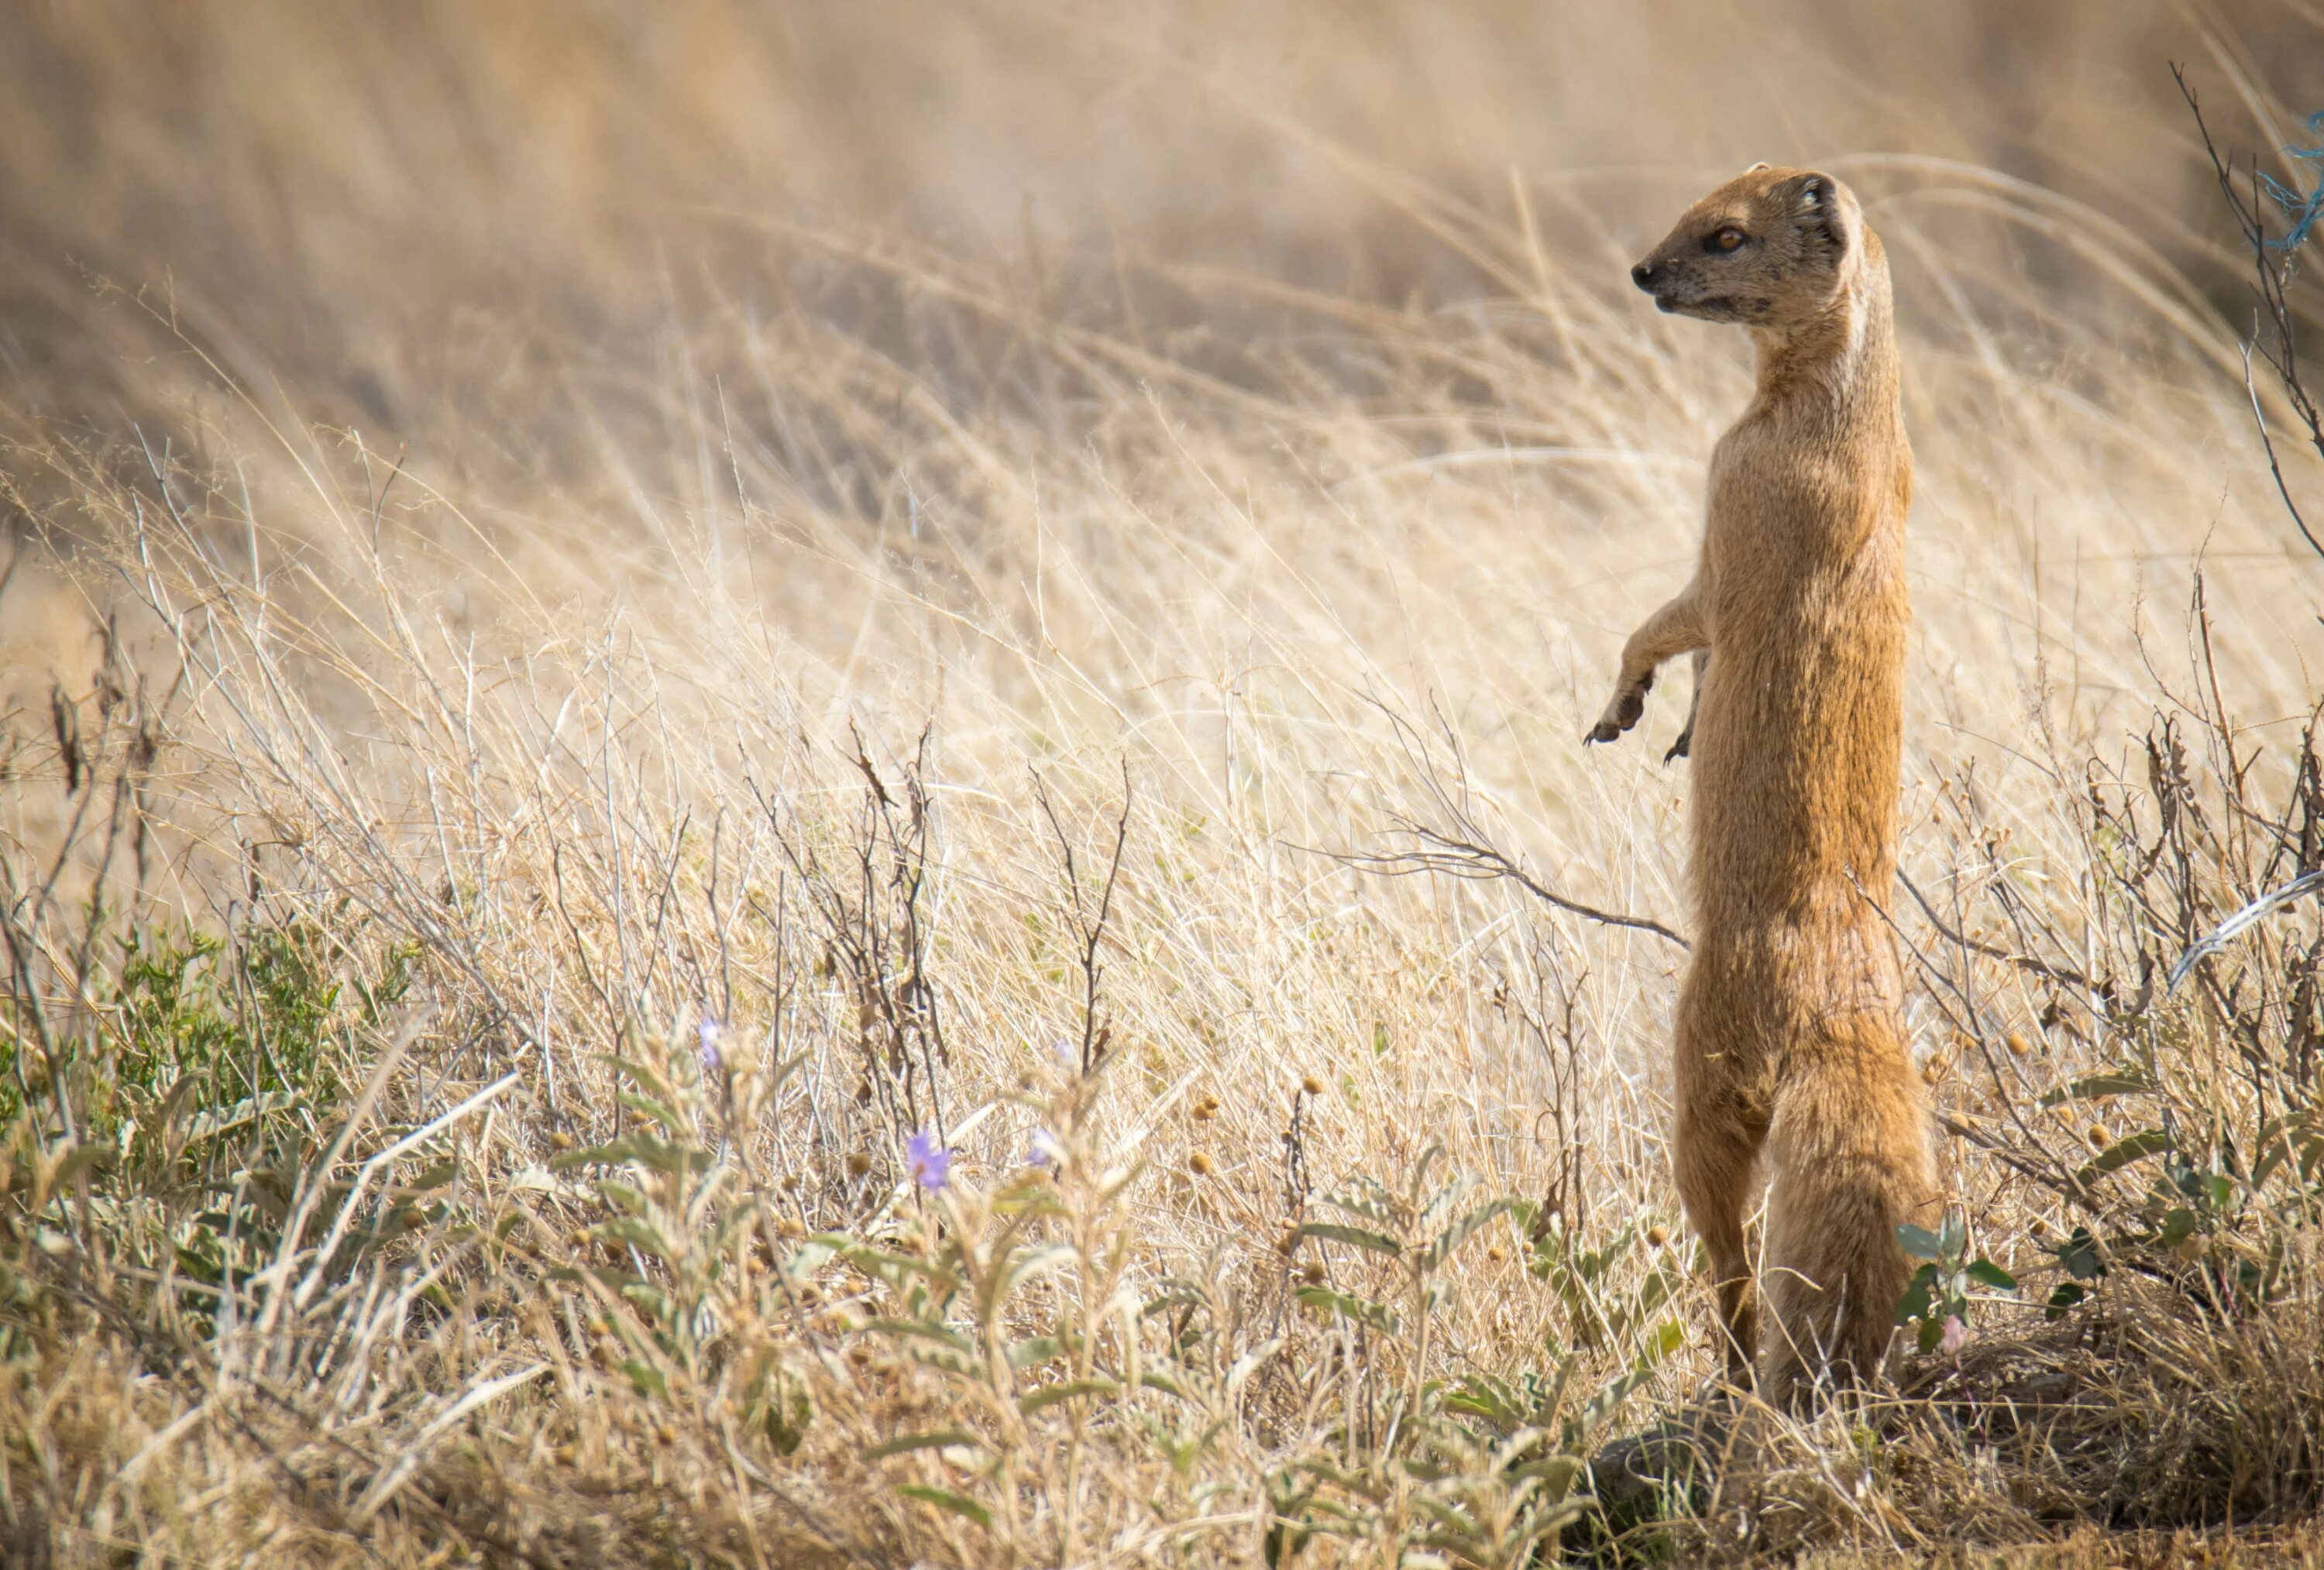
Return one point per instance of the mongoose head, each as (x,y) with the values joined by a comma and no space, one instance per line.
(1772,248)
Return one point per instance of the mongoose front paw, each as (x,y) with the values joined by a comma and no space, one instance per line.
(1684,747)
(1623,712)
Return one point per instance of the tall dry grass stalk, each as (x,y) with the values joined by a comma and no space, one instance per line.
(629,640)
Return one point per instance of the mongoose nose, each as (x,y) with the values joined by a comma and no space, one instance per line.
(1644,273)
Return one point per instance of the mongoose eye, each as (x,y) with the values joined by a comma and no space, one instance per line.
(1727,239)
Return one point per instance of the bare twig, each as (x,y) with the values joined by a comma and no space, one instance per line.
(1088,931)
(1453,842)
(2025,962)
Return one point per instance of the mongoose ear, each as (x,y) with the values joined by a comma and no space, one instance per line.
(1823,208)
(1756,167)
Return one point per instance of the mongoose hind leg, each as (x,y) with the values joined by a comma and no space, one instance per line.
(1714,1157)
(1850,1158)
(1716,1140)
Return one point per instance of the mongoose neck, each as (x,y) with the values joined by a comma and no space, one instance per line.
(1845,354)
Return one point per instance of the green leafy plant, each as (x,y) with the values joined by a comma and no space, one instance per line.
(2204,1214)
(193,1105)
(1487,1469)
(1584,1278)
(2080,1257)
(1416,1232)
(1939,1297)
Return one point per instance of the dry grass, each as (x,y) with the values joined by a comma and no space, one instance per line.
(592,527)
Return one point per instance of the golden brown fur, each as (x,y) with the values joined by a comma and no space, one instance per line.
(1787,1031)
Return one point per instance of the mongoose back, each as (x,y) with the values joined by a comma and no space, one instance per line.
(1787,1029)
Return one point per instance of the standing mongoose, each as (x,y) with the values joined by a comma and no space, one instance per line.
(1787,1031)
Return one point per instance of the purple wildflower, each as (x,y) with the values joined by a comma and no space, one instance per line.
(1045,1150)
(930,1161)
(1956,1336)
(710,1030)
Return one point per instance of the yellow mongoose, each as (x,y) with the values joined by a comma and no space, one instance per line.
(1787,1029)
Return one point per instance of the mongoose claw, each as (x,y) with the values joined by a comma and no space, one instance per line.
(1682,747)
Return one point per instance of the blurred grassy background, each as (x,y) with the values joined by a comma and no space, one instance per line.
(378,203)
